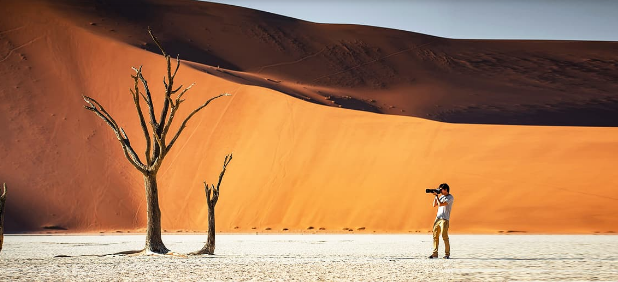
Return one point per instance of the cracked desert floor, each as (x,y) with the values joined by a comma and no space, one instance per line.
(314,258)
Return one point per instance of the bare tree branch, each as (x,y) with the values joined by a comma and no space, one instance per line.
(183,92)
(156,41)
(227,161)
(147,98)
(184,123)
(175,107)
(208,192)
(101,112)
(177,65)
(158,127)
(129,153)
(128,146)
(168,93)
(142,121)
(160,154)
(212,193)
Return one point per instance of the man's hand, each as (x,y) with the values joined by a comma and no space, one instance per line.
(438,203)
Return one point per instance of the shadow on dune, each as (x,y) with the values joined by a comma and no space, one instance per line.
(191,52)
(594,112)
(514,82)
(17,220)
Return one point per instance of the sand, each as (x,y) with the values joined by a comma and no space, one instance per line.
(316,258)
(373,69)
(299,164)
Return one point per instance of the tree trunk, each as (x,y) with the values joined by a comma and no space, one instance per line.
(153,229)
(209,248)
(212,197)
(2,201)
(210,243)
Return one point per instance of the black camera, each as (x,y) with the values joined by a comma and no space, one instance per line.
(429,191)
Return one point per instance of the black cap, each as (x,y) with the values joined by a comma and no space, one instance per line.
(444,186)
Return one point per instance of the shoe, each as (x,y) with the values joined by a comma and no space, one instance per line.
(446,257)
(433,256)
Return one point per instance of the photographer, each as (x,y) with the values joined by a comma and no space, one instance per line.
(444,201)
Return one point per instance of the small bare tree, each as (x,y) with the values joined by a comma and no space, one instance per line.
(157,146)
(2,201)
(212,196)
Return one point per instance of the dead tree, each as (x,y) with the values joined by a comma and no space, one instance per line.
(212,196)
(157,145)
(2,201)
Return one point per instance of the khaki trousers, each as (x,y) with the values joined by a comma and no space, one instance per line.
(441,225)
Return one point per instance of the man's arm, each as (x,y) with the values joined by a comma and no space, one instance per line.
(436,202)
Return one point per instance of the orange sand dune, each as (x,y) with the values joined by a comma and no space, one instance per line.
(296,164)
(376,69)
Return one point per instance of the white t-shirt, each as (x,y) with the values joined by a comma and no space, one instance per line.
(444,212)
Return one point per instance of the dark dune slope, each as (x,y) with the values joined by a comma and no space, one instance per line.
(377,69)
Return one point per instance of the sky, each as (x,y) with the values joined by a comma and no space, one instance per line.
(463,19)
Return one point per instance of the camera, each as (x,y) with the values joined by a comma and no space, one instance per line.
(429,191)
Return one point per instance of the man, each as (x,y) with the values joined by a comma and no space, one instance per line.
(444,201)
